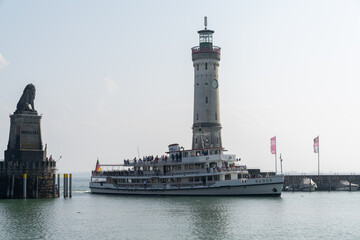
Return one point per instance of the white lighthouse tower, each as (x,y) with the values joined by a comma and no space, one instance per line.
(206,58)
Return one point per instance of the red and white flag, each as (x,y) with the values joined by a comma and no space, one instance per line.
(316,144)
(273,145)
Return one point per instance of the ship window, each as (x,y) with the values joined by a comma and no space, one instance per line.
(185,154)
(209,178)
(197,179)
(216,178)
(206,100)
(191,166)
(186,166)
(205,66)
(203,165)
(239,176)
(191,179)
(227,177)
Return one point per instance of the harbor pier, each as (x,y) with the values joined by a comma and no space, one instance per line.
(326,182)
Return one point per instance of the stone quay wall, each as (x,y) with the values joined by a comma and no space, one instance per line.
(39,179)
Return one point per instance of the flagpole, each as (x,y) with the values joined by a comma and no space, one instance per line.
(318,155)
(275,157)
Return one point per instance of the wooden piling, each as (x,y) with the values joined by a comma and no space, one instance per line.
(64,186)
(350,185)
(12,186)
(67,185)
(36,186)
(70,183)
(24,185)
(58,186)
(8,187)
(54,185)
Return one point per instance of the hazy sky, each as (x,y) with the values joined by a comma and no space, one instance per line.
(112,76)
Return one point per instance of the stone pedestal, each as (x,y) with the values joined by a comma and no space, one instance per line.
(25,142)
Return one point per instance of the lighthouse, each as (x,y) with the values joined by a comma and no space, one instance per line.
(206,125)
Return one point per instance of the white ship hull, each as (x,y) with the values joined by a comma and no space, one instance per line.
(271,186)
(353,188)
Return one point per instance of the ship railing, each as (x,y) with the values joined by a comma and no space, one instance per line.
(150,162)
(174,159)
(124,173)
(162,185)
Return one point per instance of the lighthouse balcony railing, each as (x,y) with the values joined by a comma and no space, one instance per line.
(213,49)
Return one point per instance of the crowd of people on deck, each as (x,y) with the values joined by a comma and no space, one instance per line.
(154,160)
(123,173)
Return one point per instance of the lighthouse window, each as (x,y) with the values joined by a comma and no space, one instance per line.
(206,100)
(197,116)
(197,66)
(214,66)
(205,66)
(215,116)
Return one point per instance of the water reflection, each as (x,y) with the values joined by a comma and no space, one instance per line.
(26,219)
(210,217)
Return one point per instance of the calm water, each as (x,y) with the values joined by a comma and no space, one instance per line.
(315,215)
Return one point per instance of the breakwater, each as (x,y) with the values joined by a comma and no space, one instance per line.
(326,182)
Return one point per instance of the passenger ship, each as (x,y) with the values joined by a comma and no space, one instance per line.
(203,170)
(196,172)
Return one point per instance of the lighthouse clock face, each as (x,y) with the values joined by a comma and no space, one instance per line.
(214,83)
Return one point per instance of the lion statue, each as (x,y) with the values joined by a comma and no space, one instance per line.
(26,102)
